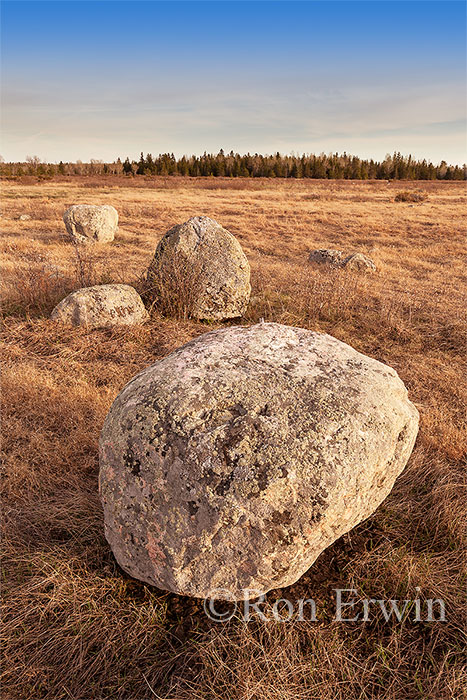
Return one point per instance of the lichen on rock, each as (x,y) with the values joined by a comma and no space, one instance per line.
(90,223)
(236,460)
(101,306)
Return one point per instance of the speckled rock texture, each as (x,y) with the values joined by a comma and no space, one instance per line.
(236,460)
(359,263)
(88,223)
(337,259)
(326,256)
(206,249)
(102,306)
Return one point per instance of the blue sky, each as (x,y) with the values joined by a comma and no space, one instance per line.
(104,79)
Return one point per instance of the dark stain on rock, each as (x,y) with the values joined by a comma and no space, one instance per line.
(262,478)
(224,485)
(193,508)
(132,462)
(283,518)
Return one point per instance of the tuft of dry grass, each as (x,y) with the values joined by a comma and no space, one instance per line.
(75,626)
(410,196)
(173,285)
(37,282)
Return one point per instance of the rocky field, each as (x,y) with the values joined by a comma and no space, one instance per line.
(75,625)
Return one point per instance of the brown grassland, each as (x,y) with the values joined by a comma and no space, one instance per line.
(75,626)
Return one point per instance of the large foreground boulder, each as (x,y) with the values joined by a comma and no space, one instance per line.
(205,265)
(102,306)
(88,223)
(236,460)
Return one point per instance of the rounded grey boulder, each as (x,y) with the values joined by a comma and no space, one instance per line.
(208,263)
(236,460)
(102,306)
(88,223)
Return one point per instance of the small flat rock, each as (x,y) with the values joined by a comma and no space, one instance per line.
(25,217)
(358,262)
(326,256)
(210,259)
(89,223)
(101,306)
(236,460)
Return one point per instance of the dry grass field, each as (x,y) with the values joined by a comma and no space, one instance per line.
(75,626)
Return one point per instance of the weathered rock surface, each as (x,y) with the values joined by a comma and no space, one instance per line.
(338,259)
(358,262)
(326,256)
(88,223)
(211,260)
(101,306)
(236,460)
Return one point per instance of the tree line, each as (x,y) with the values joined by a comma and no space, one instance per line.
(324,166)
